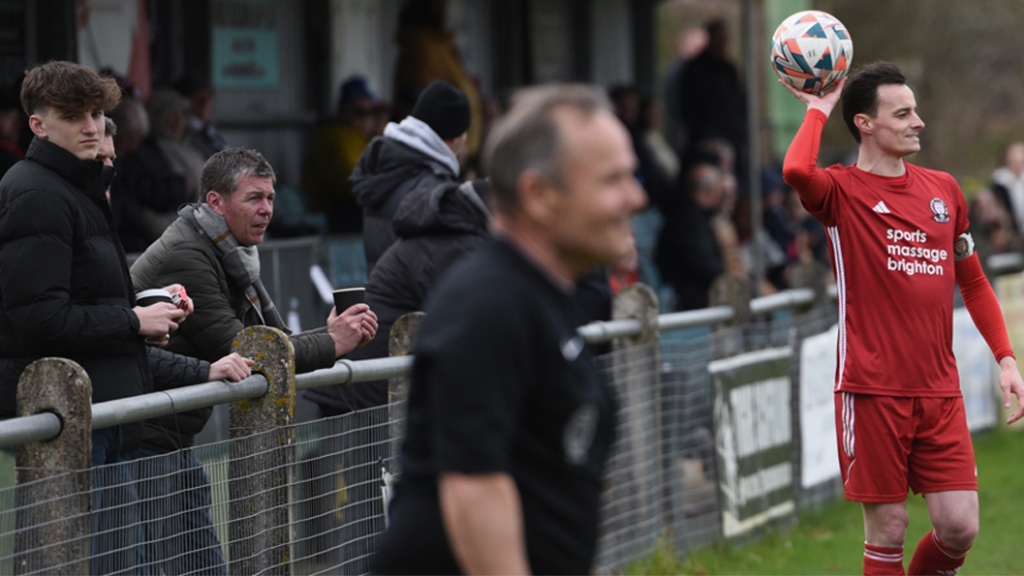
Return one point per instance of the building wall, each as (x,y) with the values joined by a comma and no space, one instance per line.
(362,42)
(274,119)
(611,44)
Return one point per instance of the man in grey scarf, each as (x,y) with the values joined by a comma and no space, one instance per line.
(211,249)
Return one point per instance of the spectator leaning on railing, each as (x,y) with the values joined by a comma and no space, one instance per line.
(211,249)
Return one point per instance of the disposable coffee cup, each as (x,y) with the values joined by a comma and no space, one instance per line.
(152,296)
(345,298)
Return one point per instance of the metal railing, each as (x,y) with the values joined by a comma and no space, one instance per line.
(46,426)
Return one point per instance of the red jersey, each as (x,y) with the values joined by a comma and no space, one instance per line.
(892,245)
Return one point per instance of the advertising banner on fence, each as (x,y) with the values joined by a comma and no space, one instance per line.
(979,373)
(1010,291)
(819,456)
(753,438)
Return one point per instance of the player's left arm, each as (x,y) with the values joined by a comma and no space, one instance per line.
(984,309)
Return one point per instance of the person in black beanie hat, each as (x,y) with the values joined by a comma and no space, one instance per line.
(419,153)
(444,108)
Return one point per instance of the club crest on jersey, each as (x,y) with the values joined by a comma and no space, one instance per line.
(940,210)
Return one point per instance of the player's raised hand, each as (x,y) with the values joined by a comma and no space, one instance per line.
(1011,384)
(824,102)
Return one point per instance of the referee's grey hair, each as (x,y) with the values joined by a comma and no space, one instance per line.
(109,126)
(528,138)
(226,168)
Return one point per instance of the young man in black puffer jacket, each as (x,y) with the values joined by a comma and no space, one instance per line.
(65,290)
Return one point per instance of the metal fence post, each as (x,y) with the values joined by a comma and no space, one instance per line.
(262,452)
(54,476)
(400,342)
(635,371)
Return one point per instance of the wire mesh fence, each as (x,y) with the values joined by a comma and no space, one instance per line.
(308,498)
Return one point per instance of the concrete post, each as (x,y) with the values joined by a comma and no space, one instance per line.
(735,291)
(809,275)
(634,364)
(54,483)
(400,343)
(262,454)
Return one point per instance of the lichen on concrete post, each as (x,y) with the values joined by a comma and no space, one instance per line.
(262,452)
(54,483)
(400,343)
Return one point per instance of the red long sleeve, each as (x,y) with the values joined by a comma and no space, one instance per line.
(983,306)
(800,167)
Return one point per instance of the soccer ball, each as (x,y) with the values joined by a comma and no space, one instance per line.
(812,50)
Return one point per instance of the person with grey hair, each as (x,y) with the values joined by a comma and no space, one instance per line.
(211,250)
(163,172)
(106,153)
(133,126)
(509,421)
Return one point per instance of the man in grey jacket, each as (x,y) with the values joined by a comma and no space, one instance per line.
(211,249)
(419,153)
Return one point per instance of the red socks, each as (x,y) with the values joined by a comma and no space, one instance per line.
(934,557)
(882,561)
(931,557)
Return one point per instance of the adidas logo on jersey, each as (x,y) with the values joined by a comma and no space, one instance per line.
(881,208)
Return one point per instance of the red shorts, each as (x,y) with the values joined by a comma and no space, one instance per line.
(890,443)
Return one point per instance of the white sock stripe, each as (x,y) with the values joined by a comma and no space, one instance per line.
(884,556)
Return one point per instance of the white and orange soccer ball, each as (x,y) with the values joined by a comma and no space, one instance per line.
(812,50)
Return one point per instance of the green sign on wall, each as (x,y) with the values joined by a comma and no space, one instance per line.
(245,39)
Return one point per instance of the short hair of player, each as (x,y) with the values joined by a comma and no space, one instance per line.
(528,138)
(68,87)
(223,171)
(860,95)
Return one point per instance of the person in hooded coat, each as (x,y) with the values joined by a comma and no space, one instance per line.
(435,228)
(417,154)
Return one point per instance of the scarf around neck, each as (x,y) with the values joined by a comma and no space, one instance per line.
(241,263)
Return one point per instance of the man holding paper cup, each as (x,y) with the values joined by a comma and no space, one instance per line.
(211,249)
